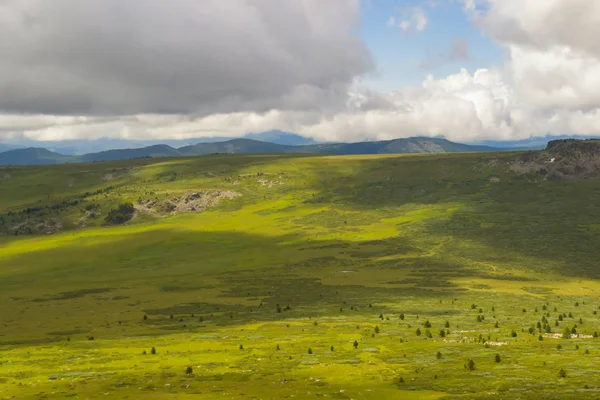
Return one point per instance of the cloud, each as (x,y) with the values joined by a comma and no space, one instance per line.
(544,25)
(191,69)
(554,55)
(459,51)
(121,57)
(414,20)
(461,106)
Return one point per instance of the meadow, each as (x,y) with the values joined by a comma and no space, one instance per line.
(345,277)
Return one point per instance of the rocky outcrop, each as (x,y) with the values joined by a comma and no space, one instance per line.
(562,159)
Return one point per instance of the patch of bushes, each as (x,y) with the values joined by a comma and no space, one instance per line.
(120,215)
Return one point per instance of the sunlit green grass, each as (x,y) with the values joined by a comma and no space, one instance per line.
(348,243)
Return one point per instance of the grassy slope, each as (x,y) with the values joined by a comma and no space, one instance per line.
(426,236)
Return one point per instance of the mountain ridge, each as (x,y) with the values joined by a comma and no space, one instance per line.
(40,156)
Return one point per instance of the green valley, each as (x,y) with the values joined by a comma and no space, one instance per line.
(260,276)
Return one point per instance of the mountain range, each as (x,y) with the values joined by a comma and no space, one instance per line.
(39,156)
(84,146)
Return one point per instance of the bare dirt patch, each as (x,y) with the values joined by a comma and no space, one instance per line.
(192,202)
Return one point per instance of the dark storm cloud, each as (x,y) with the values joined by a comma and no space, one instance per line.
(120,57)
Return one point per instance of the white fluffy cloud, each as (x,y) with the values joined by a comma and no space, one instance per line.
(461,106)
(550,83)
(414,19)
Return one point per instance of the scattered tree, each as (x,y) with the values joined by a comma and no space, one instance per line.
(153,351)
(562,373)
(189,371)
(497,358)
(418,332)
(309,350)
(471,365)
(355,344)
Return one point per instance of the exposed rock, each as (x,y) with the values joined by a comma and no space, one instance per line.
(562,159)
(193,202)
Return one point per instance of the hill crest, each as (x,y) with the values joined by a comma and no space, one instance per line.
(247,146)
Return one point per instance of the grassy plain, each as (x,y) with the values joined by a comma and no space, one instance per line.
(316,253)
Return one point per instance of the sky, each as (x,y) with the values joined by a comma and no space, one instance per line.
(332,70)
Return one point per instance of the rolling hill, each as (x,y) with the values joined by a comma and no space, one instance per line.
(444,276)
(161,150)
(33,156)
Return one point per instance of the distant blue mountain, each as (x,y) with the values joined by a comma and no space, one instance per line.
(7,147)
(36,156)
(83,146)
(280,137)
(80,147)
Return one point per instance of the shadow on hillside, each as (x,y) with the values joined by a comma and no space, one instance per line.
(552,223)
(224,276)
(393,181)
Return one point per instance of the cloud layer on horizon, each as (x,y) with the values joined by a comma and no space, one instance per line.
(228,68)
